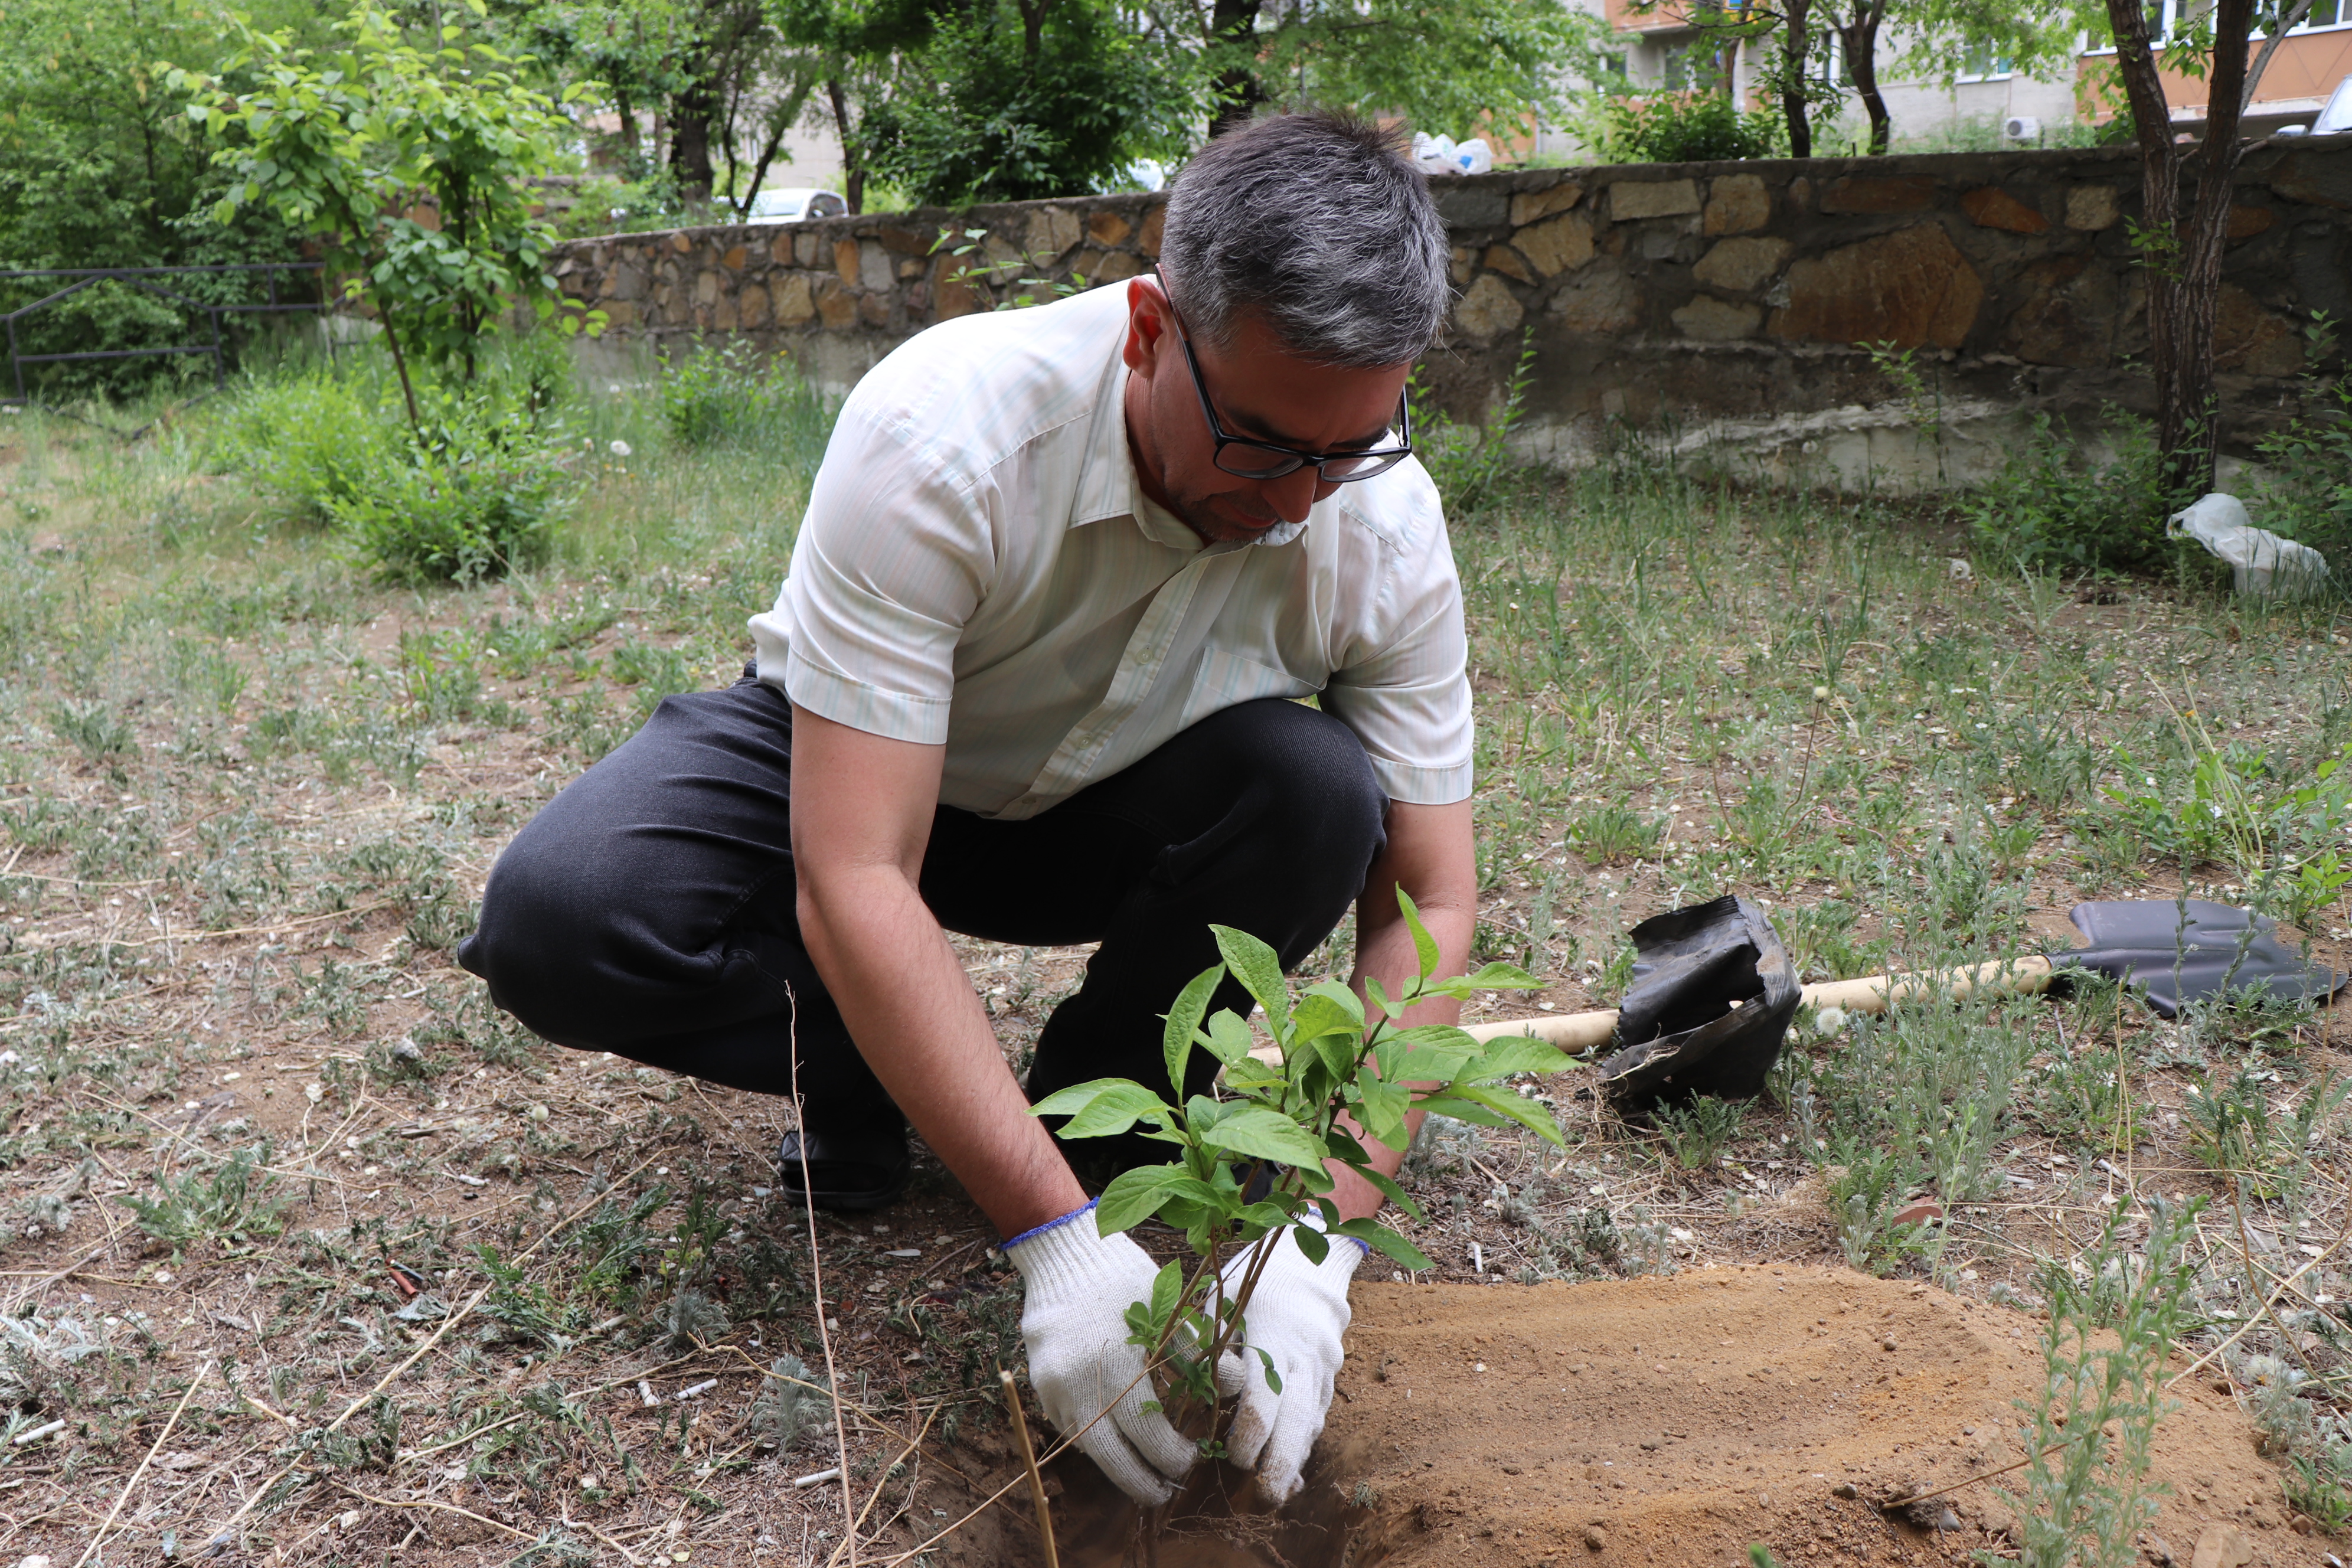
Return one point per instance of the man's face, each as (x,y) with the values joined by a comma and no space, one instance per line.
(1260,391)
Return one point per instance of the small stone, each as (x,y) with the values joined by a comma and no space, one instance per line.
(1886,1344)
(1630,199)
(1846,1490)
(1594,1540)
(1529,206)
(2157,1549)
(2222,1546)
(2090,208)
(1487,310)
(1513,1470)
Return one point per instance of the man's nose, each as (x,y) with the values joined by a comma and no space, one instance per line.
(1291,495)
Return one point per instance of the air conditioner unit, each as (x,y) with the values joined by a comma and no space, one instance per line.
(2020,127)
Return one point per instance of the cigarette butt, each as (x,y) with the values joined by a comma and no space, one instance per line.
(820,1476)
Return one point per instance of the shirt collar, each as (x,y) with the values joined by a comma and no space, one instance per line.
(1108,486)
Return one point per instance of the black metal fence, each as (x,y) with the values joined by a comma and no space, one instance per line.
(157,281)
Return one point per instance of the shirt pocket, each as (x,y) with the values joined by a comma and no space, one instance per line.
(1227,679)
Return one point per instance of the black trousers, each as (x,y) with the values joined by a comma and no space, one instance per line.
(648,910)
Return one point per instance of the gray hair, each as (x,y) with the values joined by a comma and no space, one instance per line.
(1318,224)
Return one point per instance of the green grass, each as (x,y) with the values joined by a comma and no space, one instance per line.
(250,797)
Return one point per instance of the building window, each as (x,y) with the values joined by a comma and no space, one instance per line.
(1982,65)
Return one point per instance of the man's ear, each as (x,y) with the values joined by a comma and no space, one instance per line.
(1150,331)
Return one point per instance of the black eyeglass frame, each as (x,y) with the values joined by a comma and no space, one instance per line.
(1297,459)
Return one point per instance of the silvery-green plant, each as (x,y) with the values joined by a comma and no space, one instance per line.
(1343,1071)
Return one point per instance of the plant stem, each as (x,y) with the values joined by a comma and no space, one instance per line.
(1029,1460)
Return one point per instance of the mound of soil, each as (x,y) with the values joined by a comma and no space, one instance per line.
(1676,1421)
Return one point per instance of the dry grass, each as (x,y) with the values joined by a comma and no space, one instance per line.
(306,1247)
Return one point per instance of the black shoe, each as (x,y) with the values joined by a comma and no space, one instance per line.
(847,1173)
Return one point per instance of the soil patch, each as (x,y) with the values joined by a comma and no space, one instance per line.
(1675,1421)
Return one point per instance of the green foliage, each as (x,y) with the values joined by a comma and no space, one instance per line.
(226,1203)
(1018,103)
(1469,462)
(2089,1437)
(1685,127)
(790,1396)
(2054,507)
(336,143)
(2306,493)
(1697,1132)
(2241,807)
(1607,834)
(1334,1060)
(731,395)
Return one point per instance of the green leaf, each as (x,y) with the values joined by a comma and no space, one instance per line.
(1184,1020)
(1516,1107)
(1167,1290)
(1259,969)
(1103,1109)
(1272,1378)
(1422,942)
(1447,1102)
(1438,1054)
(1382,1108)
(1343,1003)
(1312,1242)
(1264,1134)
(1515,1054)
(1136,1196)
(1228,1037)
(1380,1238)
(1502,977)
(1389,1190)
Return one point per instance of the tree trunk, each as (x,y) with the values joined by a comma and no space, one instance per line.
(1796,51)
(853,167)
(2182,253)
(1860,38)
(691,111)
(1235,22)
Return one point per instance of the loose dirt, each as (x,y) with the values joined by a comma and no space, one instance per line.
(1677,1421)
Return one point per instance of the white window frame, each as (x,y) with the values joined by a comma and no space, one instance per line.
(2171,17)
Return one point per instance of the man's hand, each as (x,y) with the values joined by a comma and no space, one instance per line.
(1073,1321)
(1296,1316)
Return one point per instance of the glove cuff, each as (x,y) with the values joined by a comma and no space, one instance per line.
(1060,1252)
(1312,1217)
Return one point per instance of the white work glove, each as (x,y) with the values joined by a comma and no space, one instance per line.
(1073,1321)
(1297,1316)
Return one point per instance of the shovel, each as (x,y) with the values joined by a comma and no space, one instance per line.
(1713,991)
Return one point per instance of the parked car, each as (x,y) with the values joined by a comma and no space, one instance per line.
(794,205)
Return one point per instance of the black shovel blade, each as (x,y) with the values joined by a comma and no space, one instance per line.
(2188,951)
(1713,995)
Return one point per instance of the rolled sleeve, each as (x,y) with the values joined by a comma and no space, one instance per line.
(885,575)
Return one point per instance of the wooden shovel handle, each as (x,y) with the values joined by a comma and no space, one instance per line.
(1583,1031)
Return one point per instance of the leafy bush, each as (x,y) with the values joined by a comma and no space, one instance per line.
(734,396)
(476,488)
(2052,507)
(1686,128)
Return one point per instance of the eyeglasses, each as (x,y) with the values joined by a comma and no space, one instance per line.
(1248,459)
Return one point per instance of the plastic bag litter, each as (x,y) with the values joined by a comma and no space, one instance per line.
(1434,153)
(1473,156)
(2261,563)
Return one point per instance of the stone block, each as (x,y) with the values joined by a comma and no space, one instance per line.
(2321,180)
(1912,287)
(954,296)
(1528,206)
(706,289)
(779,251)
(1464,206)
(805,247)
(901,241)
(845,261)
(1989,206)
(1502,258)
(723,315)
(2247,222)
(1600,300)
(1631,199)
(909,268)
(1461,265)
(1717,320)
(875,308)
(1879,194)
(2067,317)
(1487,310)
(734,258)
(629,282)
(2251,341)
(1147,240)
(1108,228)
(789,299)
(751,307)
(1560,244)
(875,273)
(836,305)
(1118,267)
(1052,230)
(1737,204)
(679,243)
(2091,208)
(1741,265)
(620,315)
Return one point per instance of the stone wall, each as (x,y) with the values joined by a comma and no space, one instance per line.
(1717,301)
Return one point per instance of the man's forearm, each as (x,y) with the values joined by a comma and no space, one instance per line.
(912,1009)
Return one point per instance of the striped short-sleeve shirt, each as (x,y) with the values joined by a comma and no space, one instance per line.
(980,569)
